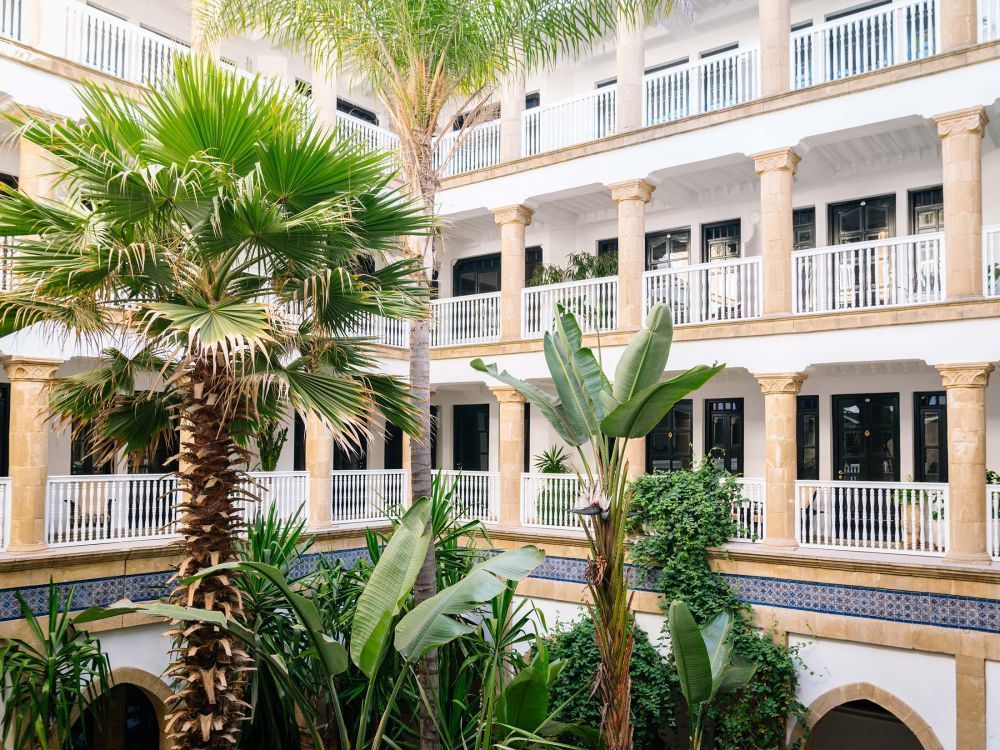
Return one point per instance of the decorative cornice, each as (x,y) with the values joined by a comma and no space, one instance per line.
(964,121)
(516,214)
(777,160)
(972,375)
(507,395)
(30,368)
(782,382)
(632,190)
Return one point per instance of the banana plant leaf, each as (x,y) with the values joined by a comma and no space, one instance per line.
(645,358)
(694,666)
(637,416)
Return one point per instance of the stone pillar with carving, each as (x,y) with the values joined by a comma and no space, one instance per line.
(775,21)
(631,197)
(630,61)
(512,220)
(37,171)
(780,456)
(29,449)
(965,386)
(319,464)
(959,24)
(511,115)
(511,454)
(961,136)
(777,172)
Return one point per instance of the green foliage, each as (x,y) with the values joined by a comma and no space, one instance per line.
(554,460)
(271,439)
(682,514)
(653,705)
(579,267)
(61,670)
(992,477)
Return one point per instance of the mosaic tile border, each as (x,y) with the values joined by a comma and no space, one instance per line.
(940,610)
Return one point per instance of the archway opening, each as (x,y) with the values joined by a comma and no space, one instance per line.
(127,720)
(862,725)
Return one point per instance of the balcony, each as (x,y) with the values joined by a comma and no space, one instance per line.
(470,319)
(475,495)
(367,496)
(707,292)
(593,301)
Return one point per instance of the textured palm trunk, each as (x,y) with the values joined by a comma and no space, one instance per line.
(208,665)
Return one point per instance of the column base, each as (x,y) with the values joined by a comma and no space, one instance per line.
(26,549)
(969,558)
(777,543)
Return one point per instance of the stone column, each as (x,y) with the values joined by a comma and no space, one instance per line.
(630,59)
(29,449)
(775,21)
(777,172)
(631,197)
(324,94)
(635,454)
(511,115)
(512,221)
(780,456)
(970,701)
(319,464)
(961,136)
(511,454)
(965,385)
(959,24)
(37,176)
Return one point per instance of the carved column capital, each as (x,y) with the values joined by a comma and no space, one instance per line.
(972,375)
(970,121)
(632,190)
(776,160)
(781,382)
(30,368)
(507,395)
(516,214)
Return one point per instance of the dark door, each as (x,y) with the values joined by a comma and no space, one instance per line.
(479,275)
(724,433)
(5,429)
(299,444)
(354,458)
(807,437)
(930,421)
(866,437)
(393,447)
(669,445)
(471,437)
(927,210)
(668,249)
(862,220)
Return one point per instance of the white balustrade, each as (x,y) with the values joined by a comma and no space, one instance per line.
(475,495)
(749,511)
(287,491)
(393,332)
(11,19)
(993,520)
(470,319)
(4,512)
(904,517)
(371,136)
(368,496)
(547,499)
(878,273)
(475,148)
(989,20)
(96,509)
(705,85)
(991,260)
(707,292)
(890,34)
(593,301)
(565,123)
(103,41)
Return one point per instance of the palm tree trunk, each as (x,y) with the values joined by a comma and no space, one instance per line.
(206,711)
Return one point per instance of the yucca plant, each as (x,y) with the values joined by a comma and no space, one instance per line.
(598,418)
(46,680)
(213,233)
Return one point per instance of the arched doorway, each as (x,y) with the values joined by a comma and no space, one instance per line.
(127,720)
(862,725)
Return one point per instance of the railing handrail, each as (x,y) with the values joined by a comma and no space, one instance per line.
(568,284)
(879,10)
(128,26)
(467,473)
(701,62)
(286,473)
(550,475)
(451,135)
(888,241)
(747,261)
(464,298)
(109,477)
(876,484)
(362,472)
(603,90)
(991,227)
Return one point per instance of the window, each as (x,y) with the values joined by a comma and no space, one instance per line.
(605,84)
(866,437)
(719,50)
(353,458)
(303,88)
(855,9)
(356,111)
(299,444)
(801,25)
(532,261)
(927,210)
(807,437)
(527,438)
(668,249)
(532,100)
(862,220)
(9,180)
(930,423)
(393,447)
(479,275)
(82,459)
(607,247)
(471,437)
(670,444)
(5,429)
(724,433)
(489,112)
(721,240)
(804,228)
(667,65)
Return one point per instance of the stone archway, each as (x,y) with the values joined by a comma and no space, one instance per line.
(866,691)
(153,688)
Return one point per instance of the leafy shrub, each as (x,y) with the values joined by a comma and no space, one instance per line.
(652,704)
(683,513)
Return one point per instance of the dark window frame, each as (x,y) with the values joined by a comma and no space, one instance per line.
(651,236)
(684,403)
(455,442)
(801,411)
(918,436)
(460,265)
(912,207)
(356,111)
(717,225)
(836,420)
(798,225)
(741,411)
(831,224)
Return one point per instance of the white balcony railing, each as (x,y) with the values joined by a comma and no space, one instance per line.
(479,147)
(386,331)
(593,301)
(864,275)
(107,43)
(547,499)
(371,136)
(989,20)
(470,319)
(367,496)
(707,292)
(904,517)
(993,520)
(991,260)
(890,34)
(475,494)
(4,512)
(579,119)
(703,86)
(749,511)
(11,19)
(287,491)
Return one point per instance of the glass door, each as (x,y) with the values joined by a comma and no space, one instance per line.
(471,437)
(930,421)
(807,437)
(669,445)
(866,430)
(724,433)
(857,279)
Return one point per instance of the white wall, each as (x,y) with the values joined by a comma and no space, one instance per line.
(144,647)
(993,705)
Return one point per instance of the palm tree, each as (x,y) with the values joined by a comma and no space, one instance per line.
(212,234)
(423,60)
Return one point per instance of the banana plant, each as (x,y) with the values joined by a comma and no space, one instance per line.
(378,620)
(597,417)
(706,664)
